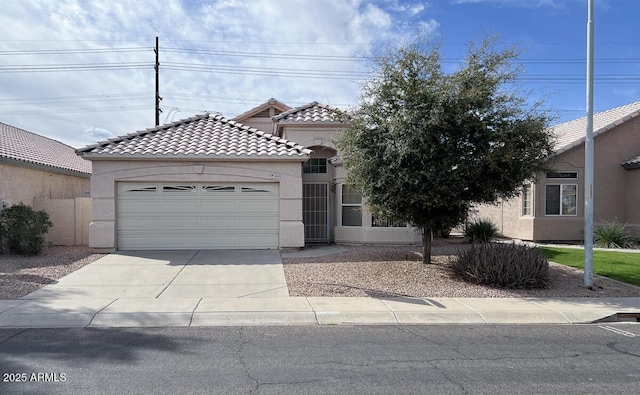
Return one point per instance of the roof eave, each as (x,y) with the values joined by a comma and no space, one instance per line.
(42,167)
(312,123)
(214,158)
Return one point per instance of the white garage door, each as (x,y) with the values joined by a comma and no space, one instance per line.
(197,215)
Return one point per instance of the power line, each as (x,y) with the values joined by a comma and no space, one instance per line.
(72,51)
(22,68)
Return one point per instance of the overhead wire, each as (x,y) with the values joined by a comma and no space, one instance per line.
(310,73)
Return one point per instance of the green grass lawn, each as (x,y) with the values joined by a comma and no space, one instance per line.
(617,265)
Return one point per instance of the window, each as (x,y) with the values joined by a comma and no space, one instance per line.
(387,223)
(141,189)
(247,189)
(218,188)
(561,199)
(315,166)
(351,207)
(527,206)
(179,188)
(565,174)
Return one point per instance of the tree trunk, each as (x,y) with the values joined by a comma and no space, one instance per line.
(426,245)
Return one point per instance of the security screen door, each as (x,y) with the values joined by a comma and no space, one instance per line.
(315,211)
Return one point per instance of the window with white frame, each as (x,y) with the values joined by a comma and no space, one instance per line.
(527,200)
(351,206)
(315,165)
(561,199)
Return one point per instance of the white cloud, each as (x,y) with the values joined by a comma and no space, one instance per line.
(516,3)
(98,103)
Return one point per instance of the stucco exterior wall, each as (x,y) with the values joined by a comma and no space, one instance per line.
(70,218)
(106,173)
(317,135)
(367,234)
(22,184)
(633,200)
(507,216)
(264,124)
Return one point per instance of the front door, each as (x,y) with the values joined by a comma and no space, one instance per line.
(315,211)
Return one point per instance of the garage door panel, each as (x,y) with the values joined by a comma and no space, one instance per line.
(136,206)
(258,223)
(219,223)
(193,215)
(180,223)
(219,206)
(139,223)
(258,206)
(181,206)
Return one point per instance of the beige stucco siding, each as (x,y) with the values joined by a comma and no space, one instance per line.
(507,216)
(107,173)
(317,135)
(70,218)
(633,200)
(367,234)
(22,184)
(261,123)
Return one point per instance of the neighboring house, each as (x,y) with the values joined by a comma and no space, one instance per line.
(38,171)
(552,208)
(210,182)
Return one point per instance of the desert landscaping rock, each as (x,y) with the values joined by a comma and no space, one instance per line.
(399,271)
(21,275)
(359,271)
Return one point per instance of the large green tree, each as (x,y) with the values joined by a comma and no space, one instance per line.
(425,145)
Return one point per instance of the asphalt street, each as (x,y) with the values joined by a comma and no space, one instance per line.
(438,359)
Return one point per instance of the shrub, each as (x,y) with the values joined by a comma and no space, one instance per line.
(480,231)
(612,235)
(23,229)
(502,266)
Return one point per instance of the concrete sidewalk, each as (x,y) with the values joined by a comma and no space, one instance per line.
(230,288)
(153,312)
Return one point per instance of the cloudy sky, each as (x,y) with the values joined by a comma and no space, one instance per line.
(80,71)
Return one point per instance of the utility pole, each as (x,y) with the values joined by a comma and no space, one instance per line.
(589,158)
(158,98)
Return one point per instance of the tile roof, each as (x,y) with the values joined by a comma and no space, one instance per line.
(202,136)
(22,147)
(571,134)
(264,106)
(312,112)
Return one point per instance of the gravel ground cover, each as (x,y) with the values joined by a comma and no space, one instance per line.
(360,271)
(398,271)
(21,275)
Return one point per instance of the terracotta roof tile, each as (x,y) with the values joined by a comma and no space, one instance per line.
(208,135)
(312,112)
(571,134)
(22,146)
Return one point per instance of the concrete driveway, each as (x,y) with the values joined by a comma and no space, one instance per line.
(174,274)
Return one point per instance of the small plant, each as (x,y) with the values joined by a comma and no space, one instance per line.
(23,229)
(481,231)
(612,235)
(502,266)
